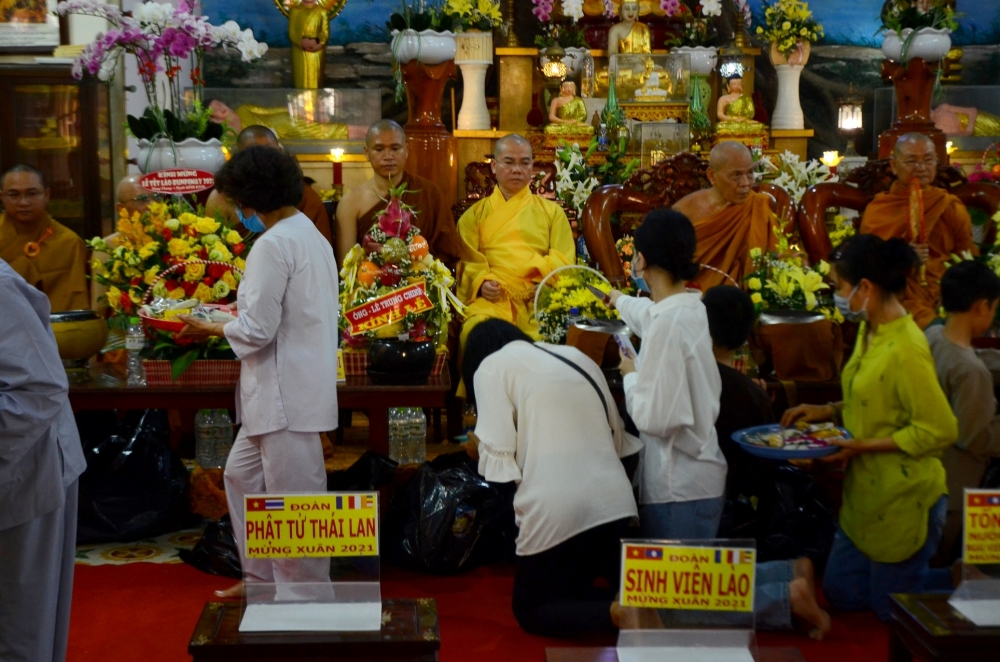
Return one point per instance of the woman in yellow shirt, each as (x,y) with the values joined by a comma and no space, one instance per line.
(895,496)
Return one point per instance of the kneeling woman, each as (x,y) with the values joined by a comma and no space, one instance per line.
(547,422)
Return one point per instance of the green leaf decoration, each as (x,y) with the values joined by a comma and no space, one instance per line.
(179,365)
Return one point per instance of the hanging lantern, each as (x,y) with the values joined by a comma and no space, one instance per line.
(849,118)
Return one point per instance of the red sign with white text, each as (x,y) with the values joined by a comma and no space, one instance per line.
(178,181)
(388,308)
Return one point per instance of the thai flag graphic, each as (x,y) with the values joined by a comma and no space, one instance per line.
(274,504)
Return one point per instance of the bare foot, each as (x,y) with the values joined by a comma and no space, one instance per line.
(634,618)
(805,608)
(803,567)
(234,592)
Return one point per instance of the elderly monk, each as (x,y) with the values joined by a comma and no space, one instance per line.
(44,252)
(386,151)
(948,227)
(311,204)
(510,242)
(729,218)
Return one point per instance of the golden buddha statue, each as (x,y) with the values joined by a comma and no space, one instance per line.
(646,7)
(735,112)
(629,35)
(308,32)
(277,119)
(568,113)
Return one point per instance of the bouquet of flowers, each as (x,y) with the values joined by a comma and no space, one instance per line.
(558,34)
(161,37)
(791,174)
(626,251)
(698,26)
(842,230)
(788,22)
(988,169)
(574,180)
(564,290)
(394,282)
(476,14)
(898,15)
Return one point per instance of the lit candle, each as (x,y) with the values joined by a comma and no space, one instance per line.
(950,148)
(336,154)
(831,159)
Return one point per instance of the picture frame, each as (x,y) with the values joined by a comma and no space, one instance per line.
(31,27)
(660,140)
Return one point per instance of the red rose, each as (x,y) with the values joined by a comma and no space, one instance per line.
(135,281)
(238,248)
(167,234)
(217,271)
(189,288)
(208,280)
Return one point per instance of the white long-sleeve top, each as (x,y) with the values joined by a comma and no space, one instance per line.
(286,332)
(541,425)
(673,398)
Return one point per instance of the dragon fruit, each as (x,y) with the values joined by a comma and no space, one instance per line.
(395,221)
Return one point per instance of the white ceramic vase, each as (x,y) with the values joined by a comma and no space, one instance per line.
(427,46)
(574,61)
(474,55)
(703,58)
(191,153)
(787,114)
(930,44)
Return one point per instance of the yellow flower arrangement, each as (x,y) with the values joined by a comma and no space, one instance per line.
(787,22)
(567,291)
(475,14)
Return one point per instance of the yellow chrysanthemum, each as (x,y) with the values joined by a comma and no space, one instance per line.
(194,272)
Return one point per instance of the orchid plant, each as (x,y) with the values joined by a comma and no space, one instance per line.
(698,24)
(161,37)
(574,180)
(792,174)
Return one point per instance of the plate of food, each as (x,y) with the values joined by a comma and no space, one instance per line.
(801,442)
(160,314)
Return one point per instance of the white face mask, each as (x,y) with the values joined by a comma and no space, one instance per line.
(843,305)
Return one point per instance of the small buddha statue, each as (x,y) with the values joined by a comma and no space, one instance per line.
(568,113)
(735,111)
(629,35)
(652,91)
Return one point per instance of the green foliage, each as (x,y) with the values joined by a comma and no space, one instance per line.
(565,36)
(154,124)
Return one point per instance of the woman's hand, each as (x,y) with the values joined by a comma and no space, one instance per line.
(808,414)
(848,449)
(200,329)
(612,298)
(627,364)
(472,446)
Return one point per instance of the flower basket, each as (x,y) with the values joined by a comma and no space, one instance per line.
(168,325)
(209,372)
(356,363)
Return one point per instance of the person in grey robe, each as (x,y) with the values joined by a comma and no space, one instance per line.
(40,464)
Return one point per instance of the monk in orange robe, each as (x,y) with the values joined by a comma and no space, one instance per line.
(948,227)
(729,218)
(44,252)
(386,151)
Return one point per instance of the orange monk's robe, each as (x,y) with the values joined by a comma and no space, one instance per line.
(949,231)
(516,243)
(433,217)
(726,238)
(60,268)
(312,206)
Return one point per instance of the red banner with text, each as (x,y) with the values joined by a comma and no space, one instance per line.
(178,181)
(388,308)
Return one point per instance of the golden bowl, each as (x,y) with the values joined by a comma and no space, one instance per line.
(80,334)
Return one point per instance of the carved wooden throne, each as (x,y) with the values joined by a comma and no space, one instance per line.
(480,182)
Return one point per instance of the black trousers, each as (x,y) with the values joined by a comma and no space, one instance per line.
(554,592)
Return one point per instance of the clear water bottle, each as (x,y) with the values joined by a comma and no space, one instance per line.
(135,342)
(223,436)
(417,435)
(204,439)
(573,317)
(398,436)
(469,418)
(603,138)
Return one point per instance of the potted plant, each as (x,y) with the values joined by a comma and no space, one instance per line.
(425,34)
(161,38)
(570,38)
(792,174)
(475,21)
(790,28)
(917,28)
(698,34)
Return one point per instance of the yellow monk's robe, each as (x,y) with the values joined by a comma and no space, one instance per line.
(60,267)
(949,231)
(308,23)
(726,238)
(516,243)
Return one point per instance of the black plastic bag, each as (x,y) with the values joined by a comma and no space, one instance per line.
(216,552)
(448,518)
(134,487)
(370,472)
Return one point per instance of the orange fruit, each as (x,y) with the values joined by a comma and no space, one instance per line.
(368,272)
(996,169)
(418,248)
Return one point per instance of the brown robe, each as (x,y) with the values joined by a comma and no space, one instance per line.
(60,268)
(433,217)
(312,206)
(726,238)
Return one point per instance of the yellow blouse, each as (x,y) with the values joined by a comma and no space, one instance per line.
(891,390)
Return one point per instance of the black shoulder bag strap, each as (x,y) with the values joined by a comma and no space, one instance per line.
(586,376)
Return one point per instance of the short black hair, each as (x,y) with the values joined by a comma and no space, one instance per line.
(485,339)
(886,263)
(731,316)
(667,240)
(966,283)
(24,167)
(263,178)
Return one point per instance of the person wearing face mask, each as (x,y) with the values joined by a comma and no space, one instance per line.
(895,494)
(286,337)
(672,389)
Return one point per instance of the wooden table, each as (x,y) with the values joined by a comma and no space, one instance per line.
(609,654)
(926,627)
(106,391)
(409,633)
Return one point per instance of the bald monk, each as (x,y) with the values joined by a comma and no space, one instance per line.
(947,222)
(47,254)
(510,242)
(729,218)
(311,204)
(386,151)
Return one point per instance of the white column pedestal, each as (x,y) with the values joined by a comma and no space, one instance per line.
(474,116)
(788,111)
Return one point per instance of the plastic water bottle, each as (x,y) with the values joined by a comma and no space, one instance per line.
(573,317)
(417,437)
(397,436)
(135,341)
(603,139)
(469,418)
(223,427)
(204,439)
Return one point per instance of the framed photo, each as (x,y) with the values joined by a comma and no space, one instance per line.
(30,26)
(660,140)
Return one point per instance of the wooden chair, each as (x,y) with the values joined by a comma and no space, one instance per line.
(864,183)
(480,182)
(661,186)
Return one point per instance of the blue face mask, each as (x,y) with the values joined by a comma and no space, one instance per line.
(639,281)
(843,305)
(254,224)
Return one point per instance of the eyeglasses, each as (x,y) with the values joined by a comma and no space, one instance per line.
(30,194)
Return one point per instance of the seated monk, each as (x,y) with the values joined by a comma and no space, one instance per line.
(311,204)
(947,223)
(385,149)
(729,218)
(510,241)
(44,252)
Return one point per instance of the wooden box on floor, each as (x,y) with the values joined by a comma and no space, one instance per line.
(409,634)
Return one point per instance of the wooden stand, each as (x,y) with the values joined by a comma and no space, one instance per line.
(409,633)
(433,151)
(927,627)
(796,142)
(914,85)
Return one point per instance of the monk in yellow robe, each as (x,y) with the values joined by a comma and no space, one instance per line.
(44,252)
(729,218)
(510,242)
(948,227)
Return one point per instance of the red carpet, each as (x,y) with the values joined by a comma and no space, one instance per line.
(147,612)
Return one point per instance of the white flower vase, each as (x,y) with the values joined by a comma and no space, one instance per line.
(574,61)
(427,46)
(190,153)
(928,44)
(787,114)
(474,55)
(703,58)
